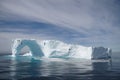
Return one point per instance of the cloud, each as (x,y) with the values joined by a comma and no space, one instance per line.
(75,14)
(88,22)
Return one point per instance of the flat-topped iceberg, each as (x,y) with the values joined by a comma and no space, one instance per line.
(59,49)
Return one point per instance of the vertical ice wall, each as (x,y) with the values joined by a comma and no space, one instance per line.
(101,53)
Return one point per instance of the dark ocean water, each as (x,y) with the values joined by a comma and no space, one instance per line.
(27,68)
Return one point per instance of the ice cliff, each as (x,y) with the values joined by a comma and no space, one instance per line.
(58,49)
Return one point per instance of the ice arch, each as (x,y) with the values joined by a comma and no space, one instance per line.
(32,44)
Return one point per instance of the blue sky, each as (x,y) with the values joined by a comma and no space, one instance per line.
(85,22)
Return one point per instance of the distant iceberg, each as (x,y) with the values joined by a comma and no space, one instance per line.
(59,49)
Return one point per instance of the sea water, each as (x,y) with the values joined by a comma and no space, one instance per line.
(29,68)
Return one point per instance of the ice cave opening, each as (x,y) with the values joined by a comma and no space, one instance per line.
(25,50)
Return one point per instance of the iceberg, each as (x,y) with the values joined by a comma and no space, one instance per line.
(59,49)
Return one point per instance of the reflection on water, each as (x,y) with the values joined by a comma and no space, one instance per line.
(58,69)
(13,68)
(101,66)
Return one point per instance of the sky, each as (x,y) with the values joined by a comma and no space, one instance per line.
(83,22)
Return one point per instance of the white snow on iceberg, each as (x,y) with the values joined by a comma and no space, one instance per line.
(59,49)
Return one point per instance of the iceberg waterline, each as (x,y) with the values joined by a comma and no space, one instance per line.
(59,49)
